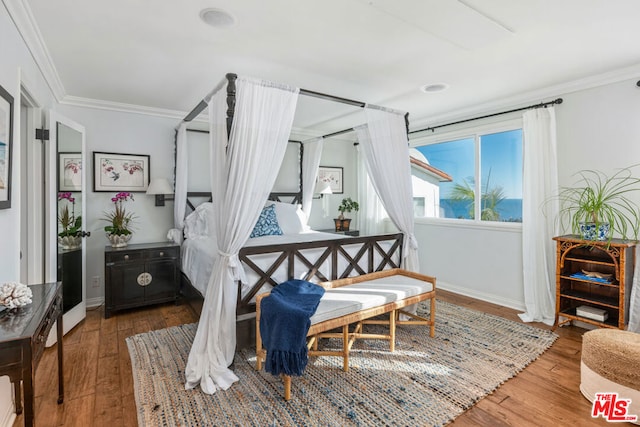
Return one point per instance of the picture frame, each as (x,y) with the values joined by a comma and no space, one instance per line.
(120,172)
(69,171)
(6,147)
(332,175)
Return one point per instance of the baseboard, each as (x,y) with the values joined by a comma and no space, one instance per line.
(95,302)
(9,418)
(7,408)
(494,299)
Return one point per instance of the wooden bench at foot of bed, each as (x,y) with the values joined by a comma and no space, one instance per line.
(355,301)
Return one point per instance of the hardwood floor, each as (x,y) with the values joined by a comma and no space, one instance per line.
(99,386)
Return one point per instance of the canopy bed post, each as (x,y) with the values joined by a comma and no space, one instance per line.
(231,100)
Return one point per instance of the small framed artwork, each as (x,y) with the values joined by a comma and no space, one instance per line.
(332,175)
(69,171)
(6,147)
(120,172)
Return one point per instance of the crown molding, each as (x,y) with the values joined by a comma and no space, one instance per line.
(24,21)
(78,101)
(531,97)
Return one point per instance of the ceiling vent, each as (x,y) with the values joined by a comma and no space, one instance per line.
(434,87)
(217,18)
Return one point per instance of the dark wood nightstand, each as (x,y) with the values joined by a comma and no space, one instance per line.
(354,233)
(141,274)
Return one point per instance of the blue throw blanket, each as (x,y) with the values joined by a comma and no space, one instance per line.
(284,324)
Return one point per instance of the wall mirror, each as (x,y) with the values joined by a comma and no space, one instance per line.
(67,172)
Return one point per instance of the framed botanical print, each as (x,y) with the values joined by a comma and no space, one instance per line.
(69,171)
(120,172)
(6,147)
(333,176)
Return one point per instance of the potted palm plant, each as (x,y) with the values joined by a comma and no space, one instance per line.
(599,206)
(347,205)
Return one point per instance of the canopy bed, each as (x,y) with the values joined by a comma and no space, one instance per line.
(250,123)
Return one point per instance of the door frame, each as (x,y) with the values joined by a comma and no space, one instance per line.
(32,228)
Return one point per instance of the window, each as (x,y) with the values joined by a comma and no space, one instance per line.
(488,164)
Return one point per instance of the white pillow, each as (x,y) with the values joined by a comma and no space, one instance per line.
(200,222)
(290,217)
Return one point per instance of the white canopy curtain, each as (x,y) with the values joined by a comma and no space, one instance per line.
(371,213)
(539,213)
(310,164)
(243,174)
(180,197)
(386,151)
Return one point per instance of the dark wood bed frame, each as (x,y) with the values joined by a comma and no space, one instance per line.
(291,255)
(376,253)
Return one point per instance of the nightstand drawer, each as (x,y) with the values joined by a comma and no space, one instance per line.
(124,256)
(162,253)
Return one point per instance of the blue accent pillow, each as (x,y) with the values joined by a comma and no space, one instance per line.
(267,224)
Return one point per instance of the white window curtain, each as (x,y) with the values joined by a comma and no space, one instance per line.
(180,202)
(539,213)
(371,214)
(634,303)
(243,173)
(310,164)
(386,151)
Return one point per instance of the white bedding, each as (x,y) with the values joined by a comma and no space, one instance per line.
(199,253)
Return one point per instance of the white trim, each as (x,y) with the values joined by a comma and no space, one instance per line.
(26,25)
(95,302)
(535,96)
(469,130)
(506,227)
(9,418)
(127,108)
(494,299)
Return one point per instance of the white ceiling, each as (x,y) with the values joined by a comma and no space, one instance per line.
(158,54)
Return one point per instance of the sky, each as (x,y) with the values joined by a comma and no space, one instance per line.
(501,155)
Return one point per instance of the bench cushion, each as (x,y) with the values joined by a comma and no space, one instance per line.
(355,297)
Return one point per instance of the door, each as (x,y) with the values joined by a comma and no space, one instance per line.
(66,209)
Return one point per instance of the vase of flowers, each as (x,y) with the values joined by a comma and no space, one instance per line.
(70,225)
(119,229)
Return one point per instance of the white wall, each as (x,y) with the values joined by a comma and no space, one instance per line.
(336,153)
(597,128)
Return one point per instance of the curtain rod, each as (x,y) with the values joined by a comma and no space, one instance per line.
(231,76)
(206,131)
(541,105)
(340,132)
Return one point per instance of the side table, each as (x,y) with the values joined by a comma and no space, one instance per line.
(23,334)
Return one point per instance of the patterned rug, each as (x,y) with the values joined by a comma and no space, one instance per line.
(426,381)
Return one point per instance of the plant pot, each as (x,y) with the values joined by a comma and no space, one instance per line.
(589,231)
(69,242)
(119,240)
(342,224)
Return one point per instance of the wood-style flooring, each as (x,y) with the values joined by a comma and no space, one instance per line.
(99,384)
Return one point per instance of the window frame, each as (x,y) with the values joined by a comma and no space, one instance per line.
(472,132)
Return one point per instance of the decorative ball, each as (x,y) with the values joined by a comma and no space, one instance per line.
(14,294)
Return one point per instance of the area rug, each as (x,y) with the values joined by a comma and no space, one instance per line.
(426,381)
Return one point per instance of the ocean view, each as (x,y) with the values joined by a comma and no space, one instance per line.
(510,209)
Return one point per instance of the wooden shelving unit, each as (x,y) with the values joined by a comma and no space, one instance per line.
(615,258)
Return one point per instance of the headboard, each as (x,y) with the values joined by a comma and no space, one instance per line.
(196,198)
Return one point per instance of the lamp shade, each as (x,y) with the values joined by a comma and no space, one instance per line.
(322,187)
(159,186)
